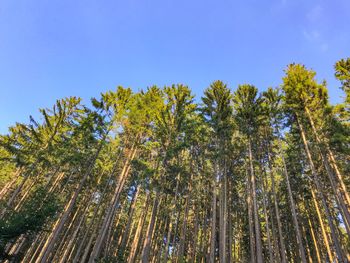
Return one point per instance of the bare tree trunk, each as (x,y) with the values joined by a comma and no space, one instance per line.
(17,191)
(72,239)
(222,214)
(183,229)
(9,184)
(250,219)
(314,240)
(47,249)
(339,251)
(147,243)
(229,223)
(323,229)
(332,159)
(173,210)
(193,253)
(136,242)
(267,223)
(110,212)
(259,257)
(292,205)
(130,216)
(213,225)
(338,197)
(279,225)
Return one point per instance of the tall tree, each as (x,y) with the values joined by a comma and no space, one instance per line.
(218,113)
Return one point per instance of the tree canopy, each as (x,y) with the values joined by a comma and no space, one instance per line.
(155,175)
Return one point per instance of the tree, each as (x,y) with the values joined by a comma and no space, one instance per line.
(248,110)
(218,113)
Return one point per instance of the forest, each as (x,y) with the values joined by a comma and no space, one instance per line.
(158,175)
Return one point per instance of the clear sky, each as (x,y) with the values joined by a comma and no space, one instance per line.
(51,49)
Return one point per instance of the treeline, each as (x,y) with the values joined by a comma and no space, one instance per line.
(152,176)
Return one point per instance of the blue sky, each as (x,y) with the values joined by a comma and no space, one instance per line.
(53,49)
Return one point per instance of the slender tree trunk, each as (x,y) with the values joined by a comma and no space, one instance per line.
(147,243)
(229,223)
(193,253)
(17,191)
(317,252)
(213,225)
(267,223)
(130,216)
(9,184)
(173,208)
(110,212)
(47,249)
(183,229)
(223,214)
(136,243)
(323,229)
(259,257)
(95,211)
(72,238)
(204,242)
(292,205)
(338,198)
(250,219)
(279,225)
(320,193)
(332,159)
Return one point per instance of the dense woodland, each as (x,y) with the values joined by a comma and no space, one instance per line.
(157,176)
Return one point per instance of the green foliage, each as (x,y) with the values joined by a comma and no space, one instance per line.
(37,210)
(247,105)
(342,73)
(187,155)
(217,108)
(301,89)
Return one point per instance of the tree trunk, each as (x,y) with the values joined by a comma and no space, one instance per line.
(323,229)
(130,216)
(259,257)
(332,159)
(9,184)
(110,212)
(317,252)
(267,223)
(321,195)
(173,208)
(213,225)
(183,229)
(147,243)
(292,205)
(136,243)
(279,225)
(250,219)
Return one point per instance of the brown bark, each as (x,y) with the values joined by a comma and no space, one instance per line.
(317,252)
(338,249)
(47,249)
(137,239)
(183,230)
(130,216)
(332,160)
(250,220)
(110,212)
(259,257)
(267,223)
(278,217)
(292,206)
(9,184)
(213,225)
(147,242)
(173,210)
(323,229)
